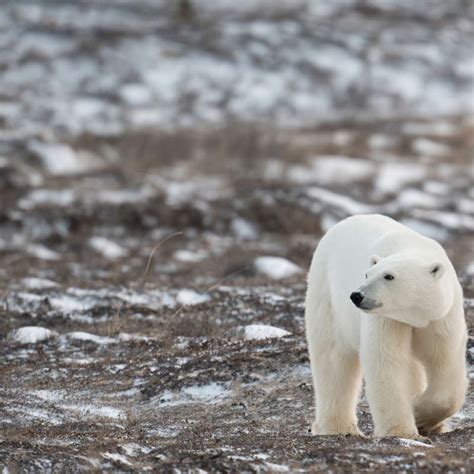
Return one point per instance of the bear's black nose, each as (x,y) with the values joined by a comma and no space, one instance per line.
(357,298)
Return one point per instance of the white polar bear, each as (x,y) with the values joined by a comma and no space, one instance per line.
(404,329)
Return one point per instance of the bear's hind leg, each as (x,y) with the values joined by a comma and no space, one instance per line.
(337,382)
(443,397)
(444,361)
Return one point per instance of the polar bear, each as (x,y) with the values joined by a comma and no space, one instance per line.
(384,301)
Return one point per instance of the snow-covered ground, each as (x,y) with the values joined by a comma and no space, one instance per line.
(165,175)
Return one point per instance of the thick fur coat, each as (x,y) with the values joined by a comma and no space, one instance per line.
(384,302)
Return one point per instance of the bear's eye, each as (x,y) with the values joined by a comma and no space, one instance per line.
(366,276)
(389,277)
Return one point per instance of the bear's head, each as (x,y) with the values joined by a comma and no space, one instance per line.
(409,288)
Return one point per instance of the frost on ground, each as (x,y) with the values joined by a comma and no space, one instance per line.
(196,358)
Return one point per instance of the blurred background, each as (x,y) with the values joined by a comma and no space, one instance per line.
(247,127)
(240,131)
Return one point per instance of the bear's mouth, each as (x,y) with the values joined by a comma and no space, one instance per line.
(369,305)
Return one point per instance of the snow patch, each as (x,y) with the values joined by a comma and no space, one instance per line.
(276,268)
(153,299)
(59,159)
(31,334)
(413,442)
(181,192)
(448,220)
(49,395)
(135,94)
(44,415)
(380,141)
(243,229)
(69,304)
(437,187)
(410,197)
(262,331)
(85,336)
(465,205)
(96,411)
(189,256)
(79,361)
(470,268)
(125,337)
(122,196)
(107,248)
(210,393)
(43,253)
(394,176)
(328,169)
(272,467)
(346,203)
(33,283)
(425,147)
(47,197)
(190,297)
(444,129)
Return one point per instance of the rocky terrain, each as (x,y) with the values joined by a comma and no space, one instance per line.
(166,172)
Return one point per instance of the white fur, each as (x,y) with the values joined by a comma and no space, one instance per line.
(410,346)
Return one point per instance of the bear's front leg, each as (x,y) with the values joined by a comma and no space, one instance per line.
(387,363)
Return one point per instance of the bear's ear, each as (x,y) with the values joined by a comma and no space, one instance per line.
(436,270)
(374,259)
